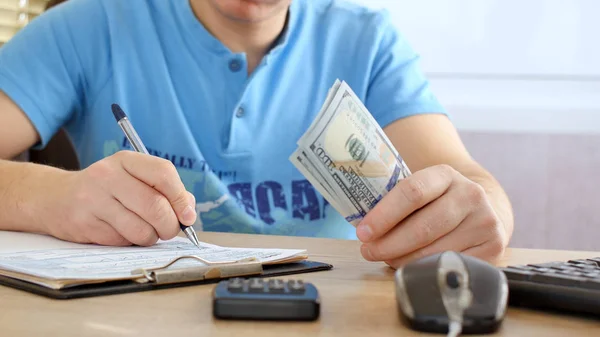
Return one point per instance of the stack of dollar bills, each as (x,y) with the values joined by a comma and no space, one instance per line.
(347,157)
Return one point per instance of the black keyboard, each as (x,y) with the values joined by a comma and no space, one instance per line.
(566,286)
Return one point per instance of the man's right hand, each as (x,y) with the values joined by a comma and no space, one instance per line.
(127,198)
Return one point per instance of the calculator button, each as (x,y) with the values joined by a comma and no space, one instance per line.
(276,286)
(235,285)
(296,286)
(256,286)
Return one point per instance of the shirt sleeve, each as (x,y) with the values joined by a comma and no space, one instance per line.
(397,86)
(40,70)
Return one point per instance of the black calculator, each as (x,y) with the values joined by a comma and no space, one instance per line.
(266,299)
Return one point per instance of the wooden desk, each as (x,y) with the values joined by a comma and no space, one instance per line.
(357,300)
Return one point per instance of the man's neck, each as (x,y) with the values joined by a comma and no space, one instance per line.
(253,38)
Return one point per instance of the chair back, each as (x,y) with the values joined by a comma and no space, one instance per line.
(59,152)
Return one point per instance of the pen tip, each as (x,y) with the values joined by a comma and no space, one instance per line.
(118,112)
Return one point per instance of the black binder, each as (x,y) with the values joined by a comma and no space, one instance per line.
(168,279)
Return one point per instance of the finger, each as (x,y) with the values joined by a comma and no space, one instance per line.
(161,175)
(420,229)
(493,238)
(451,242)
(147,203)
(102,233)
(409,195)
(489,251)
(467,235)
(128,224)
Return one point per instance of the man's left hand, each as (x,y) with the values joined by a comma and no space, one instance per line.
(433,210)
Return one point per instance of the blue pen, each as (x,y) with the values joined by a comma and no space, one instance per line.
(138,146)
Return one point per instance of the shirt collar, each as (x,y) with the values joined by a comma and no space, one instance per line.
(199,34)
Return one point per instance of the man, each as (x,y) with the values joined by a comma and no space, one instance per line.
(220,91)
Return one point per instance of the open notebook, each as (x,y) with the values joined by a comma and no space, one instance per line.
(48,262)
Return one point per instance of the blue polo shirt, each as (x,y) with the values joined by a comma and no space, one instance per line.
(189,97)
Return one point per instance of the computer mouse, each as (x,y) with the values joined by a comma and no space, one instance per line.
(438,289)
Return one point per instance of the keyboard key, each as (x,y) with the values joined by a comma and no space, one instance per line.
(523,267)
(583,262)
(594,274)
(587,266)
(547,264)
(517,274)
(558,279)
(570,272)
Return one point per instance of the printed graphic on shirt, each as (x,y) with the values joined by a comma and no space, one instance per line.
(225,204)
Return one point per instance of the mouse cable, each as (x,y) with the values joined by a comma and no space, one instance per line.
(454,329)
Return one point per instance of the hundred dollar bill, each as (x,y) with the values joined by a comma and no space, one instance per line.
(308,169)
(346,155)
(330,94)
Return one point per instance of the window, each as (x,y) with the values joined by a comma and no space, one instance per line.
(15,14)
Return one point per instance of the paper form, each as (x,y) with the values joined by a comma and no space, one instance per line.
(90,262)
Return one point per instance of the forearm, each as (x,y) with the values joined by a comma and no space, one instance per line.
(496,194)
(24,189)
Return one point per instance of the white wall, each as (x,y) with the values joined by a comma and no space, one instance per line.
(508,65)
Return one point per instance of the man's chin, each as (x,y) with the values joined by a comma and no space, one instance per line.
(249,10)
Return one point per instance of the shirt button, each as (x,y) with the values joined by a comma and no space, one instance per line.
(235,65)
(240,112)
